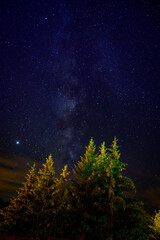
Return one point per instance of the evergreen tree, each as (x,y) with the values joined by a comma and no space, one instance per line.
(61,208)
(83,169)
(46,182)
(156,224)
(126,217)
(100,190)
(132,222)
(82,190)
(118,185)
(18,215)
(156,220)
(95,205)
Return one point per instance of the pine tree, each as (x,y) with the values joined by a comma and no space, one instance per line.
(83,169)
(95,205)
(156,224)
(100,188)
(118,185)
(127,219)
(61,208)
(17,216)
(61,188)
(46,182)
(82,188)
(32,209)
(46,176)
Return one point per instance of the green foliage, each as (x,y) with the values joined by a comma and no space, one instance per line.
(60,197)
(83,169)
(21,207)
(30,210)
(46,182)
(156,224)
(135,222)
(95,205)
(46,176)
(100,189)
(99,197)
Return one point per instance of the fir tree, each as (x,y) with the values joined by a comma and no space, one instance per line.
(100,189)
(61,208)
(83,169)
(118,185)
(156,224)
(156,221)
(19,214)
(46,182)
(81,190)
(95,205)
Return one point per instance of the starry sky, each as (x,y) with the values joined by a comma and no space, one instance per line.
(71,70)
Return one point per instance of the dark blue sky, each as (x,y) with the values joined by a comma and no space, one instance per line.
(72,70)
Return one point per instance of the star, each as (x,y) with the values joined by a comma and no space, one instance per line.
(82,74)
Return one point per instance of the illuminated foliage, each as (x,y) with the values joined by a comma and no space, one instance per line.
(83,169)
(156,224)
(60,222)
(93,205)
(100,185)
(46,182)
(33,205)
(21,207)
(99,196)
(46,176)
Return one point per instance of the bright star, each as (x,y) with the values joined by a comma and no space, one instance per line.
(17,142)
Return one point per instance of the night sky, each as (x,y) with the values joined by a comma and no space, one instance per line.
(72,70)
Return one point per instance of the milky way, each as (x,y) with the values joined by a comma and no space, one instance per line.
(72,70)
